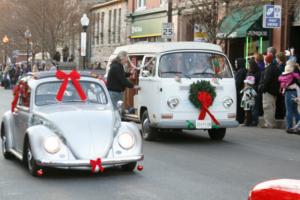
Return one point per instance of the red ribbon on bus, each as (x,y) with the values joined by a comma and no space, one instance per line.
(74,76)
(206,101)
(96,163)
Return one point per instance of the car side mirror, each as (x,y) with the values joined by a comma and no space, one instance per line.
(145,73)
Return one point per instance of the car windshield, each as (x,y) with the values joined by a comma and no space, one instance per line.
(46,93)
(194,65)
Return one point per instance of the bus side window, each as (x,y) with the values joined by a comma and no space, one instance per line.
(149,68)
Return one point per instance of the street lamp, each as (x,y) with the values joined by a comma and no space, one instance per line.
(84,23)
(5,41)
(27,35)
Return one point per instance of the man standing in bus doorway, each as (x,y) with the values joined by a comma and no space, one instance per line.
(117,80)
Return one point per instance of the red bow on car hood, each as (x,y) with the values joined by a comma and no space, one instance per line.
(74,76)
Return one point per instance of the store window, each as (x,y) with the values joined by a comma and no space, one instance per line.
(140,4)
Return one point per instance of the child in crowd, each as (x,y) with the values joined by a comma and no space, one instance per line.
(248,98)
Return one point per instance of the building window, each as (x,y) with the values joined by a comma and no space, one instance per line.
(102,27)
(93,29)
(109,27)
(140,4)
(114,25)
(119,25)
(98,28)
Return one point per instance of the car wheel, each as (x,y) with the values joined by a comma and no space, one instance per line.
(5,152)
(217,134)
(129,167)
(31,162)
(148,132)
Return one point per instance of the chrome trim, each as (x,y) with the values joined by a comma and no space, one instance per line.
(86,163)
(182,124)
(17,154)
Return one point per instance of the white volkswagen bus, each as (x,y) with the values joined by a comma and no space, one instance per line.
(166,72)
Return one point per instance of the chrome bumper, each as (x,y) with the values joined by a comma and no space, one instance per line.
(86,163)
(172,124)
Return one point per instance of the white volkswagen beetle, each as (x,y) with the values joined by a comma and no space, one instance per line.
(71,133)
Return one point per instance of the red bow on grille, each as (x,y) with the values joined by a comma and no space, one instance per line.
(74,76)
(96,163)
(206,101)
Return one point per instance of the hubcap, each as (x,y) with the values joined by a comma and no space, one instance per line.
(146,127)
(29,159)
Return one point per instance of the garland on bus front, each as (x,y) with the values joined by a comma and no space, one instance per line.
(202,95)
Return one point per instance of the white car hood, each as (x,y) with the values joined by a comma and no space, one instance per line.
(88,130)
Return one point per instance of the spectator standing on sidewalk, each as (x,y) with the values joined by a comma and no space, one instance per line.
(289,85)
(117,80)
(269,86)
(273,51)
(293,56)
(240,76)
(255,111)
(259,59)
(280,105)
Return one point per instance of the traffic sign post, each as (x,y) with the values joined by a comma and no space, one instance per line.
(272,16)
(167,30)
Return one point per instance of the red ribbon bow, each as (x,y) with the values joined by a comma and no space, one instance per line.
(74,76)
(16,93)
(96,163)
(206,101)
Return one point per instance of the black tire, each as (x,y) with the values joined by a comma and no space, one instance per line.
(217,134)
(5,152)
(30,161)
(148,133)
(129,167)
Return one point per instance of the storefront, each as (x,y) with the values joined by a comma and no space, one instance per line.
(243,33)
(147,27)
(295,31)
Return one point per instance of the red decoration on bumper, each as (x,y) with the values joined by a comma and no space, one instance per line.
(140,167)
(74,76)
(96,163)
(40,172)
(206,101)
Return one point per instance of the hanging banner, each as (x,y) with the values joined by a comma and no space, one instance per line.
(83,44)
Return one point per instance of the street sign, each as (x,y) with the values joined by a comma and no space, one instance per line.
(272,16)
(167,30)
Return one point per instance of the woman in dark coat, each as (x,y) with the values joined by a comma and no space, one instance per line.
(240,76)
(255,71)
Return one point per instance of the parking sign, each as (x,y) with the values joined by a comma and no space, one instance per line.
(272,16)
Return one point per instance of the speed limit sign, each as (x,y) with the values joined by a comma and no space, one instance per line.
(167,30)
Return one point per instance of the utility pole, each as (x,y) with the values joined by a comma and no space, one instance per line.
(170,14)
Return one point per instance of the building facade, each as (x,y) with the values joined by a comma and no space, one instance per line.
(108,29)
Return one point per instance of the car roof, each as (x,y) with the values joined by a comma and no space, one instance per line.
(159,47)
(49,74)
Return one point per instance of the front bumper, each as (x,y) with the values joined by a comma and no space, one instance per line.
(85,164)
(184,124)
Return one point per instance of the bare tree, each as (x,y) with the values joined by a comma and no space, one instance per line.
(51,22)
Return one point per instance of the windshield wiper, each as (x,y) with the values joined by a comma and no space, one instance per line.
(174,72)
(207,73)
(76,101)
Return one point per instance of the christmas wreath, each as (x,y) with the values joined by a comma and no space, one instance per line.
(202,95)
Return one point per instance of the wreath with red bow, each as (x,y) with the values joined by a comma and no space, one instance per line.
(202,95)
(21,89)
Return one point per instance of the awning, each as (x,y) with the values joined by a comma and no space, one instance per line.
(239,22)
(147,28)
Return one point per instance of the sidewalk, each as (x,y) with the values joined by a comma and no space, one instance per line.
(279,123)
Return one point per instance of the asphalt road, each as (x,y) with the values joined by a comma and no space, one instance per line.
(179,166)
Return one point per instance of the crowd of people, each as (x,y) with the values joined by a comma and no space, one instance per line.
(269,86)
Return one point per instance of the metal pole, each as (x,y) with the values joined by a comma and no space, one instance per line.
(170,7)
(27,53)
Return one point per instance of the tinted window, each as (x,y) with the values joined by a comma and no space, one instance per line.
(46,93)
(194,65)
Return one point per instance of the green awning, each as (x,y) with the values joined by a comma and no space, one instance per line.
(147,28)
(238,23)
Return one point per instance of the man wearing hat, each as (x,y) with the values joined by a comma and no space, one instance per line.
(289,84)
(269,86)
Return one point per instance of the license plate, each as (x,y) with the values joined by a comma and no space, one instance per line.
(203,124)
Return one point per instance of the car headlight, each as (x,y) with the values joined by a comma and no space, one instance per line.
(126,141)
(227,103)
(173,102)
(52,144)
